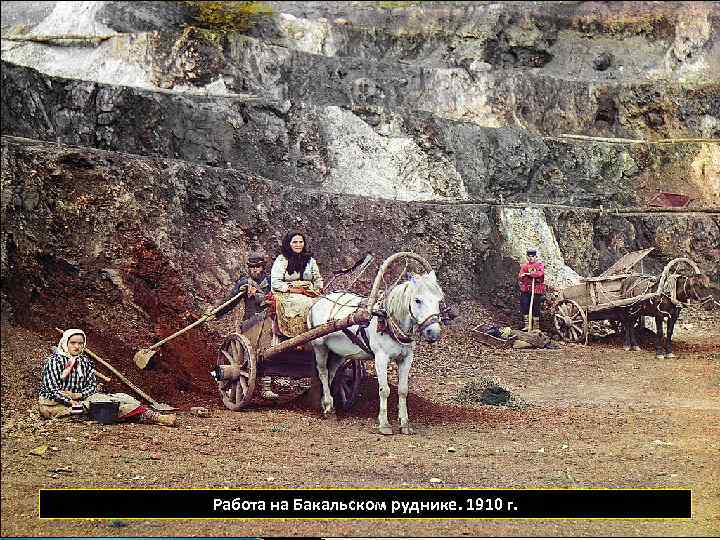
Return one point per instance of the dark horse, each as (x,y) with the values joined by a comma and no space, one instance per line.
(685,289)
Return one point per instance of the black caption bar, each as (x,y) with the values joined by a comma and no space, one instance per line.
(364,503)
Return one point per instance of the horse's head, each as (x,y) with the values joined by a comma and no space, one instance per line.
(424,296)
(698,287)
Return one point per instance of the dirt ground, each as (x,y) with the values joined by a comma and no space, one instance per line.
(581,416)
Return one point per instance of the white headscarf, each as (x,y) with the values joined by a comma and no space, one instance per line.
(62,349)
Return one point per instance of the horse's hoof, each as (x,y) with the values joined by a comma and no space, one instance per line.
(671,355)
(626,348)
(330,415)
(660,356)
(407,430)
(636,348)
(385,430)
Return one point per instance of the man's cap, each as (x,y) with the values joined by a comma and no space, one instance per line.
(532,251)
(256,259)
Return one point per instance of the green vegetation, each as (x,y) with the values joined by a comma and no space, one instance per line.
(227,16)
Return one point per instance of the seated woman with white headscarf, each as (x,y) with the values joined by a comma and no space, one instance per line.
(69,385)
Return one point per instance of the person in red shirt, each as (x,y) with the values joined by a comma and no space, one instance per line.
(531,275)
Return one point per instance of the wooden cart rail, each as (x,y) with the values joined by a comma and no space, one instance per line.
(361,317)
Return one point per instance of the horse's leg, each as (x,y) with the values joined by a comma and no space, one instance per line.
(321,358)
(628,327)
(381,364)
(670,328)
(638,325)
(403,386)
(658,338)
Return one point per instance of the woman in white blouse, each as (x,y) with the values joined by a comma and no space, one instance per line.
(295,283)
(295,270)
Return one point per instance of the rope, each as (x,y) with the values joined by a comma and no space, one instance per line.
(619,140)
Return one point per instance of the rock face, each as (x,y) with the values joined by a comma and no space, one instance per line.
(132,248)
(147,149)
(409,156)
(494,64)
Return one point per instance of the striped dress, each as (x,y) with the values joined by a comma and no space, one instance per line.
(81,380)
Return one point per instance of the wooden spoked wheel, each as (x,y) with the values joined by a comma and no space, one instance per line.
(236,351)
(345,386)
(571,321)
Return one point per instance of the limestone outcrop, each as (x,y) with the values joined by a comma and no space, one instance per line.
(406,156)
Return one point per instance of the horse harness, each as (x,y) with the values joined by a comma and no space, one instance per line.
(388,325)
(708,298)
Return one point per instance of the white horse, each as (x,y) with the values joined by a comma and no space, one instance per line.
(412,307)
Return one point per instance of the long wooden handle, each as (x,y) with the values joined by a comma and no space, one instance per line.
(532,298)
(116,372)
(120,376)
(202,319)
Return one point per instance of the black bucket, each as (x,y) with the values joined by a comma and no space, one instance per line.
(105,412)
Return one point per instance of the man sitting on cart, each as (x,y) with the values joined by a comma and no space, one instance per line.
(258,286)
(531,279)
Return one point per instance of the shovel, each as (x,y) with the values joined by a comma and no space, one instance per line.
(154,404)
(143,356)
(532,298)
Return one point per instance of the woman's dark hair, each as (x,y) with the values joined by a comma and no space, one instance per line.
(296,261)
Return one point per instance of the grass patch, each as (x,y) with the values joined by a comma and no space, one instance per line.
(488,391)
(227,16)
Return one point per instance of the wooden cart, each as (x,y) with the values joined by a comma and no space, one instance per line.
(248,355)
(245,357)
(594,299)
(600,298)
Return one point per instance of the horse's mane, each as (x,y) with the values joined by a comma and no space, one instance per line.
(400,296)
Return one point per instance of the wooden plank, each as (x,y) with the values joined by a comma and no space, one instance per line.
(591,287)
(493,341)
(608,279)
(622,303)
(626,262)
(577,293)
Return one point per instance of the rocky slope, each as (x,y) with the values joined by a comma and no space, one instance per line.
(158,147)
(406,155)
(133,248)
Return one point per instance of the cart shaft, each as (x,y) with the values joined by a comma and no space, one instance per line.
(361,317)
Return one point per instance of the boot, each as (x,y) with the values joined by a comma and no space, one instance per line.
(267,392)
(526,319)
(536,323)
(152,417)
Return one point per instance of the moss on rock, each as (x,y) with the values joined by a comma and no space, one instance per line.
(227,16)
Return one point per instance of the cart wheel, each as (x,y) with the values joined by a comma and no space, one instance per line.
(236,351)
(571,321)
(345,386)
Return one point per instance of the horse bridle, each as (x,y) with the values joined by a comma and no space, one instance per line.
(418,326)
(429,320)
(702,301)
